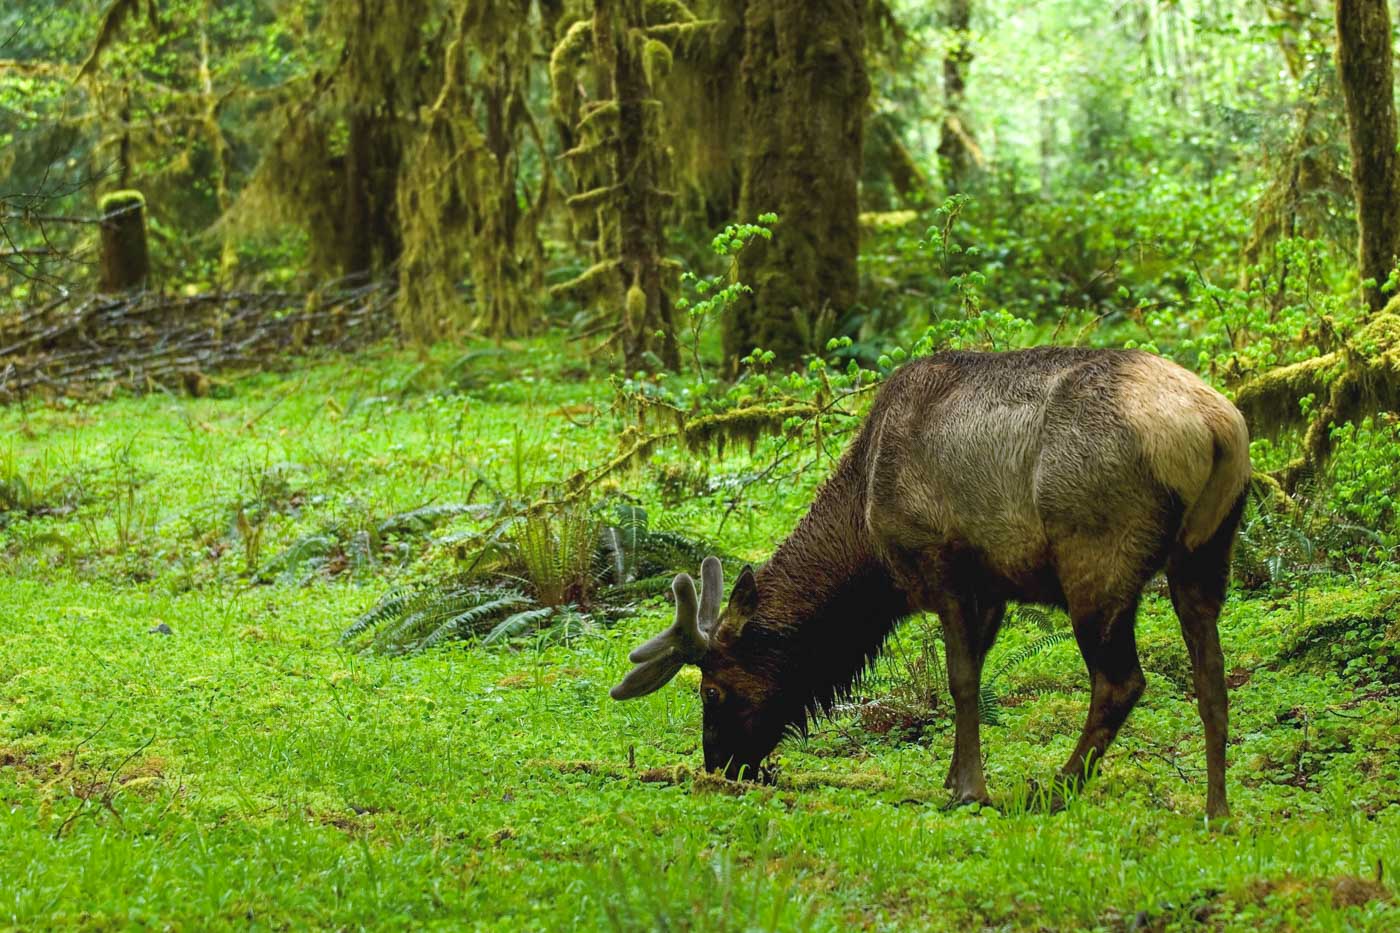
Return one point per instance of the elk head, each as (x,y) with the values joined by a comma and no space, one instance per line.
(738,691)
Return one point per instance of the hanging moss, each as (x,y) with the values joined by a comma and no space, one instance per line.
(296,184)
(462,184)
(636,307)
(656,60)
(564,61)
(336,157)
(619,167)
(703,120)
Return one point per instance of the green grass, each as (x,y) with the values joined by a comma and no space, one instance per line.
(248,770)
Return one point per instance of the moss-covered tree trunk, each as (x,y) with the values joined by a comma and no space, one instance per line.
(125,261)
(805,89)
(1364,66)
(647,312)
(371,236)
(958,152)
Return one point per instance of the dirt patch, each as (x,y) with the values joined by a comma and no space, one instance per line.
(87,779)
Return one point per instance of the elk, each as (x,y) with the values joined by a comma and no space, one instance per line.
(1057,476)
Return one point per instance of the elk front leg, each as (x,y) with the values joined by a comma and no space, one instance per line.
(986,633)
(967,636)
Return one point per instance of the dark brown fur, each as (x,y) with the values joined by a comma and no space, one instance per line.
(1057,476)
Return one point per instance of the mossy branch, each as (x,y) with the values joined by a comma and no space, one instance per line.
(112,21)
(685,39)
(667,11)
(596,280)
(1362,377)
(1271,402)
(699,435)
(592,150)
(586,200)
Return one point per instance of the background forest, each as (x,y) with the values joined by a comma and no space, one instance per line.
(369,367)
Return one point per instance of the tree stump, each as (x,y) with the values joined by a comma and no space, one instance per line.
(126,263)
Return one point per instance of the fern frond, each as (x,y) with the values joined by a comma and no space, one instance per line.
(474,619)
(1038,616)
(1027,651)
(517,623)
(298,553)
(989,705)
(424,519)
(392,604)
(646,587)
(463,611)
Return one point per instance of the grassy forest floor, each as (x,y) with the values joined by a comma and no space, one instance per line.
(248,770)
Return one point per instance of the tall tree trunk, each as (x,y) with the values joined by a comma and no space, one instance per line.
(957,148)
(359,195)
(805,89)
(1364,66)
(371,236)
(218,146)
(647,311)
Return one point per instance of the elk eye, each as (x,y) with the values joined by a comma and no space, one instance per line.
(711,696)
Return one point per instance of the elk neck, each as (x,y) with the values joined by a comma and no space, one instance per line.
(826,601)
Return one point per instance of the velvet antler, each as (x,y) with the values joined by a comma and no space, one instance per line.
(685,642)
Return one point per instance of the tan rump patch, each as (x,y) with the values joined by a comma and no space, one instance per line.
(1195,441)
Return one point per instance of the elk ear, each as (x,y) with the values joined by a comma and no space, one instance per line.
(743,599)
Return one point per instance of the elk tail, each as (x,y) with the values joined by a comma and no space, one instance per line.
(1228,479)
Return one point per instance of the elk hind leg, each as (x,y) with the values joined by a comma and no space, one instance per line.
(1197,581)
(1109,645)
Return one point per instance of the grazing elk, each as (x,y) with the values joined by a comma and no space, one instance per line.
(1066,477)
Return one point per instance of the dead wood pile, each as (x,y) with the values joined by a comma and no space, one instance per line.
(85,346)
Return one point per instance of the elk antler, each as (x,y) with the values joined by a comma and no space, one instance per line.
(685,642)
(711,592)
